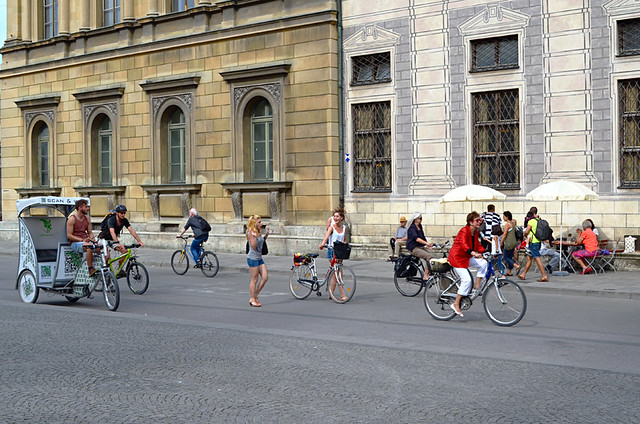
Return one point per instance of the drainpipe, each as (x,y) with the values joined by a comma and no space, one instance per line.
(340,107)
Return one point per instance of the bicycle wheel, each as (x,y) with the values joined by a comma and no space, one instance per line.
(344,287)
(409,286)
(27,287)
(504,302)
(180,262)
(137,278)
(437,298)
(300,281)
(209,264)
(110,290)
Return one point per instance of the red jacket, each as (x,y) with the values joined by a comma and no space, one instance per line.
(463,245)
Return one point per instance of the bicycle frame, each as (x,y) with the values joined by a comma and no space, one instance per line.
(488,280)
(188,250)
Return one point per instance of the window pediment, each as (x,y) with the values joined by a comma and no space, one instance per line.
(48,101)
(185,82)
(616,7)
(99,94)
(371,36)
(494,19)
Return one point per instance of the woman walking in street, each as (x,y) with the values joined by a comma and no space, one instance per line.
(509,242)
(257,267)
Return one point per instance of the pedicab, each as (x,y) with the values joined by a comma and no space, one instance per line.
(47,262)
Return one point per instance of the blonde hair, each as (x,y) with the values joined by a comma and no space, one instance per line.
(252,224)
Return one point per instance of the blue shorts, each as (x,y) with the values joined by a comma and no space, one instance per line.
(254,262)
(330,253)
(535,249)
(76,246)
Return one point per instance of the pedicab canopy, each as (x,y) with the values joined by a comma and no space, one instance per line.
(44,201)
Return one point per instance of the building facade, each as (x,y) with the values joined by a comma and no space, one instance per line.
(164,105)
(507,94)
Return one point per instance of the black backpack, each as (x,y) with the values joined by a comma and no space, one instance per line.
(204,225)
(519,233)
(403,268)
(543,231)
(104,225)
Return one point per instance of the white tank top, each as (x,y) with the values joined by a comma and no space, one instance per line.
(335,236)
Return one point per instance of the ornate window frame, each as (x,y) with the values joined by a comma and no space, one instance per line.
(247,85)
(35,110)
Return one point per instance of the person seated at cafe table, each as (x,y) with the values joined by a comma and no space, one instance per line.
(588,239)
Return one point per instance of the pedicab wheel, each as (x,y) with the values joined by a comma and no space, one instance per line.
(27,287)
(110,290)
(209,264)
(180,262)
(137,278)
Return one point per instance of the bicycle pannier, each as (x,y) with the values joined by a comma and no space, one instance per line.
(341,250)
(403,268)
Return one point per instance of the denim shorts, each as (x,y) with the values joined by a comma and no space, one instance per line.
(535,249)
(76,246)
(330,253)
(254,262)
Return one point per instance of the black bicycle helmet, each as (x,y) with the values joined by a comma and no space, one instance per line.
(121,208)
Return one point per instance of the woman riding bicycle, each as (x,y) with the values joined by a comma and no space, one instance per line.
(467,250)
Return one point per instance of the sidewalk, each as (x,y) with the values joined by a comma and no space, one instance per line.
(624,285)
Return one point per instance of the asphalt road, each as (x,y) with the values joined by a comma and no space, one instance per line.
(191,350)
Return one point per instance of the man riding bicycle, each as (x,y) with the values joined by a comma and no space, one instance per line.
(200,229)
(114,226)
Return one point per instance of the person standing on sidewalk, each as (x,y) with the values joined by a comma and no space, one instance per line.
(257,267)
(490,218)
(534,247)
(200,229)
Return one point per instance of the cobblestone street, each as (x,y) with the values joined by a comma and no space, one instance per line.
(83,366)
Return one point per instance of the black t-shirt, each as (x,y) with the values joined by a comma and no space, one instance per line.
(113,223)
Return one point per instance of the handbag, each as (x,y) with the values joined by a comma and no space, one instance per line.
(265,249)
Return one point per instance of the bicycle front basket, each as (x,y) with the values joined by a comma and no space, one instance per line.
(341,250)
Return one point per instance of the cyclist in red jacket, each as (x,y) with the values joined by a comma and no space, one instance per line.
(467,250)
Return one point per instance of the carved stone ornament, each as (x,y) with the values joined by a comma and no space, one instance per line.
(88,110)
(49,114)
(274,205)
(274,89)
(186,99)
(494,18)
(236,201)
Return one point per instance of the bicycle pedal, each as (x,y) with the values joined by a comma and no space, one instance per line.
(319,293)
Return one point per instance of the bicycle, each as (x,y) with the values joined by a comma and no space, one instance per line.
(209,264)
(504,300)
(408,278)
(303,278)
(136,273)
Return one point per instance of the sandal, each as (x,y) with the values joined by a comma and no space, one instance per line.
(254,304)
(92,271)
(520,276)
(543,280)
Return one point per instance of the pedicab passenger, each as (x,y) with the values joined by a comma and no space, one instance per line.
(79,234)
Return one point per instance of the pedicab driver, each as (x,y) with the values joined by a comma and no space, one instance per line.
(115,224)
(78,233)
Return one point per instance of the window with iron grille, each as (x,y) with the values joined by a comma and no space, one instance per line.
(492,54)
(371,69)
(496,139)
(629,37)
(372,147)
(629,92)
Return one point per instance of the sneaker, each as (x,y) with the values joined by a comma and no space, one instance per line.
(198,265)
(121,274)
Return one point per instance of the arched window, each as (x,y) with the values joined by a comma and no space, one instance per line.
(110,12)
(40,153)
(102,148)
(175,146)
(50,18)
(262,141)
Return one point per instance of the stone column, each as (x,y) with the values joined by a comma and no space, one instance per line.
(153,8)
(567,92)
(85,16)
(18,28)
(127,11)
(63,17)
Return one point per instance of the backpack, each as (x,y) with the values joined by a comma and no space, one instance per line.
(543,231)
(104,225)
(403,268)
(519,233)
(204,225)
(496,230)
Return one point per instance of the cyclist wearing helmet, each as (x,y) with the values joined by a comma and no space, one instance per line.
(115,224)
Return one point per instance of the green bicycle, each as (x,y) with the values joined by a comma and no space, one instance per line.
(136,273)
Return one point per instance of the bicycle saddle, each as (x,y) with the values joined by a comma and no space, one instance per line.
(312,255)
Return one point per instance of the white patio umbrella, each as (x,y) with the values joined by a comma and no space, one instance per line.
(472,192)
(561,190)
